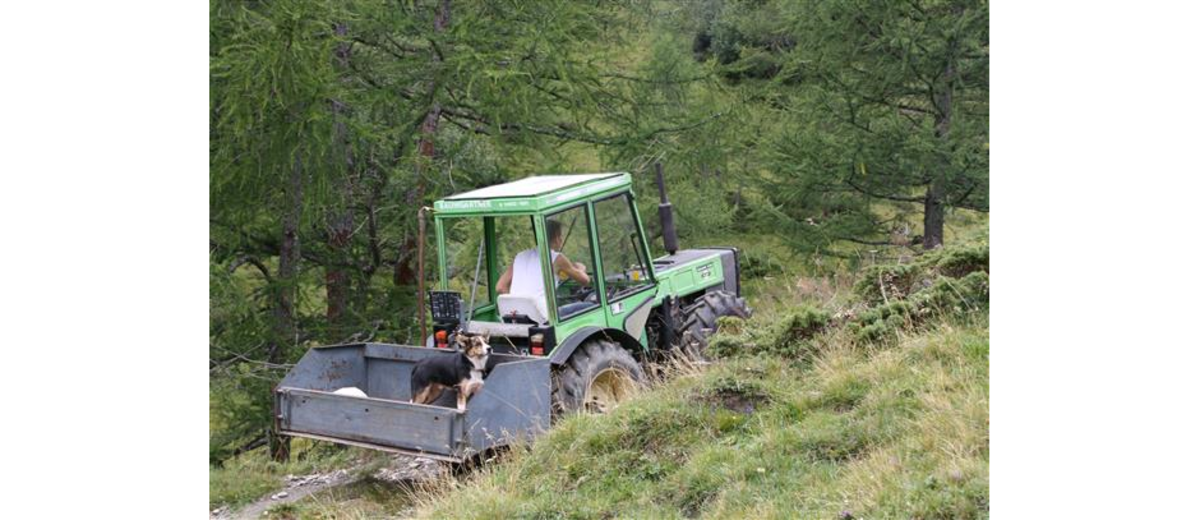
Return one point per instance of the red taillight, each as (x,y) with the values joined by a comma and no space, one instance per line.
(439,338)
(536,345)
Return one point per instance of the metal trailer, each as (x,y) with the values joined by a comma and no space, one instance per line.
(514,403)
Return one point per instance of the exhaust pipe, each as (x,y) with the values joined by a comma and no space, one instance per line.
(665,214)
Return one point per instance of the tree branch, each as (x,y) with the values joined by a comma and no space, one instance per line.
(388,50)
(247,259)
(864,242)
(617,75)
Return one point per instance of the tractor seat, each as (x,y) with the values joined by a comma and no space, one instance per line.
(512,305)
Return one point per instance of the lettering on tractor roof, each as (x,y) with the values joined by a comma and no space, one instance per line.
(532,186)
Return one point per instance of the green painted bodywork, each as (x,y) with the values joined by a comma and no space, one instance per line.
(689,278)
(679,280)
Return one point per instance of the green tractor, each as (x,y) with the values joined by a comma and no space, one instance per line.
(574,339)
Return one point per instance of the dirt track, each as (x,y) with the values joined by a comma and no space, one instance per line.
(402,469)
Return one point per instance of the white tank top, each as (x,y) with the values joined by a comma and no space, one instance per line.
(527,275)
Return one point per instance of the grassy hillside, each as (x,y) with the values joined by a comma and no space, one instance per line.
(868,410)
(863,433)
(861,396)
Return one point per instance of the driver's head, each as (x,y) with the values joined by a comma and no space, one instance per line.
(554,234)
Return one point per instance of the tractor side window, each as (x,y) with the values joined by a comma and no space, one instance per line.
(621,253)
(464,242)
(567,232)
(466,256)
(513,235)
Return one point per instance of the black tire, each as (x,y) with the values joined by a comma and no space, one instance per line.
(593,363)
(700,321)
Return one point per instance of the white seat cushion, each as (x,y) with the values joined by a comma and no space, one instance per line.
(533,308)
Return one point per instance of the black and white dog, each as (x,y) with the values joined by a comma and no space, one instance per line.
(463,372)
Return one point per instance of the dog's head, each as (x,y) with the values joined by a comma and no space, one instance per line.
(474,347)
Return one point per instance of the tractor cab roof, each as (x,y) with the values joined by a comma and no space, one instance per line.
(532,194)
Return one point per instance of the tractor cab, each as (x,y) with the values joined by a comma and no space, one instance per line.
(498,248)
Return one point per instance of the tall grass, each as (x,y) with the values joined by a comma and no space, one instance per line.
(898,431)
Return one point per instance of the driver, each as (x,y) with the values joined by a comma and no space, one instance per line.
(524,275)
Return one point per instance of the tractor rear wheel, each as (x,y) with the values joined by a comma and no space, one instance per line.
(598,375)
(700,321)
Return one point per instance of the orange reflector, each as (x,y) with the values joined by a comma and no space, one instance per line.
(536,343)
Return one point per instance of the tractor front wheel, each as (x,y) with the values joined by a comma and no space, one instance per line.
(700,321)
(598,375)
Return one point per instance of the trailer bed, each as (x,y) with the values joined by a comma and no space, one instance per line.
(513,405)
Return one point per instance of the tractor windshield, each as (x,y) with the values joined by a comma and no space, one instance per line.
(621,251)
(572,295)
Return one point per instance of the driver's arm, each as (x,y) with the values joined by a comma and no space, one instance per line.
(504,284)
(574,270)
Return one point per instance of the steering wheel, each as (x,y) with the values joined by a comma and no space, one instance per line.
(577,292)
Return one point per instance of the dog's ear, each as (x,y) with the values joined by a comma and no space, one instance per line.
(462,339)
(486,339)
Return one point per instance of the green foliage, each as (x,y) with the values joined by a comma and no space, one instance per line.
(755,263)
(949,282)
(955,296)
(883,282)
(788,338)
(732,325)
(880,283)
(873,107)
(882,322)
(316,108)
(239,408)
(957,262)
(803,325)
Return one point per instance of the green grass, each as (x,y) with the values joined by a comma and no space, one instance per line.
(810,422)
(362,499)
(804,418)
(891,432)
(895,430)
(252,475)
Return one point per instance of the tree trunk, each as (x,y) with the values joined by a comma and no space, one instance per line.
(340,219)
(404,273)
(935,194)
(374,181)
(935,215)
(337,278)
(289,265)
(283,317)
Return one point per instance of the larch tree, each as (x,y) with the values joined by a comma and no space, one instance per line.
(331,123)
(890,108)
